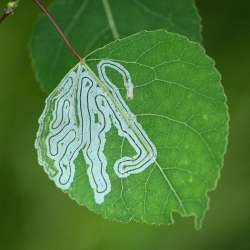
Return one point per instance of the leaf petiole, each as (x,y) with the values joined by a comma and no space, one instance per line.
(58,29)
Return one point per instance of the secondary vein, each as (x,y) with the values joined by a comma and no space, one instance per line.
(110,18)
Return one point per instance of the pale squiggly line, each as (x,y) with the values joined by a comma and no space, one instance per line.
(83,113)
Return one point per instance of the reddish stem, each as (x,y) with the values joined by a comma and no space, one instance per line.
(58,28)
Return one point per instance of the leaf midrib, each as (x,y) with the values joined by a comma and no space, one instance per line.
(119,107)
(110,18)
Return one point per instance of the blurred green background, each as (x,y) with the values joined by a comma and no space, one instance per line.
(34,215)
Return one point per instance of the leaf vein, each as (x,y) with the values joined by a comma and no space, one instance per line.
(190,128)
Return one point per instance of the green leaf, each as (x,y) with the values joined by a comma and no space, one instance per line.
(178,103)
(92,24)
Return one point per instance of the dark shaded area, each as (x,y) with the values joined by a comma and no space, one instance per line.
(36,215)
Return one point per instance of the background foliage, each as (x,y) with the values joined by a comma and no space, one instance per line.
(86,23)
(36,215)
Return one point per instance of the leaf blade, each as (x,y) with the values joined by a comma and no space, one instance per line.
(184,114)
